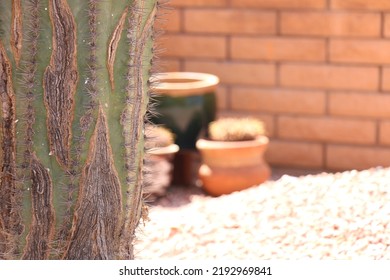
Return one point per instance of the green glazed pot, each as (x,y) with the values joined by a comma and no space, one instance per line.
(186,104)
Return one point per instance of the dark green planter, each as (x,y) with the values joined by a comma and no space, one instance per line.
(186,104)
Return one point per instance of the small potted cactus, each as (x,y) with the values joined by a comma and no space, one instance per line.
(233,156)
(160,152)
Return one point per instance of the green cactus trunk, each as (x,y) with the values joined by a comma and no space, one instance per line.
(74,95)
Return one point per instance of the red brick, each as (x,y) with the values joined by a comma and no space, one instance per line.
(222,97)
(198,3)
(352,24)
(387,25)
(278,49)
(259,74)
(280,4)
(384,132)
(356,157)
(386,78)
(360,51)
(170,21)
(294,154)
(359,105)
(325,129)
(194,46)
(278,101)
(229,21)
(361,4)
(268,120)
(329,77)
(169,65)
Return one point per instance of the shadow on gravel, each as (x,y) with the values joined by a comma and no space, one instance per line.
(177,196)
(278,172)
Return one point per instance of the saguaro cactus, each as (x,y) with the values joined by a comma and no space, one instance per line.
(74,92)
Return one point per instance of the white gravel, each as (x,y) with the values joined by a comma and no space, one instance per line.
(324,216)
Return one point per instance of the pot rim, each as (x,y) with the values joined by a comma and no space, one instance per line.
(171,149)
(184,83)
(206,144)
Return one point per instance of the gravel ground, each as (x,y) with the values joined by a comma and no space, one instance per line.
(323,216)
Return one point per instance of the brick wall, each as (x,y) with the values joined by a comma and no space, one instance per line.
(317,72)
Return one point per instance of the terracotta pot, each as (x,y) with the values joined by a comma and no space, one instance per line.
(160,162)
(232,166)
(186,165)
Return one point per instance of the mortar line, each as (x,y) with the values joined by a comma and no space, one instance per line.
(383,24)
(182,21)
(377,132)
(327,50)
(228,42)
(278,24)
(324,156)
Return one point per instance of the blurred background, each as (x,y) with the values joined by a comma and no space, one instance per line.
(315,71)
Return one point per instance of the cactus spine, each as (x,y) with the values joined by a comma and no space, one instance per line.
(74,94)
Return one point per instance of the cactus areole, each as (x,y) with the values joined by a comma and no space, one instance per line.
(74,95)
